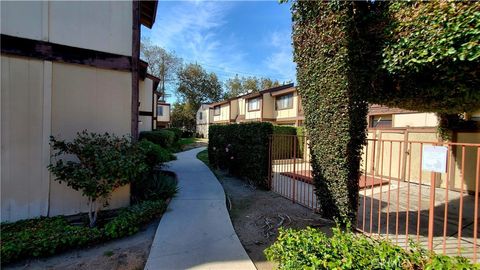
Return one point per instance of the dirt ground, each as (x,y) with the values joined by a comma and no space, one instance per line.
(129,253)
(257,215)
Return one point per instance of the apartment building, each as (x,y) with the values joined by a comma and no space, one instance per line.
(66,67)
(162,115)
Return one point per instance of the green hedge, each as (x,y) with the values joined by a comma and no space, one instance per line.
(242,149)
(164,138)
(47,236)
(178,133)
(312,249)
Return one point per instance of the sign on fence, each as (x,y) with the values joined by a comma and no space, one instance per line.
(434,158)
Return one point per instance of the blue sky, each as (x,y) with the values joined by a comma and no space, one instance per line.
(247,38)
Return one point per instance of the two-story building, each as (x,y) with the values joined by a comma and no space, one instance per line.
(66,67)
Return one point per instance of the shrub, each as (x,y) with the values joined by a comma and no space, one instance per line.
(43,237)
(187,134)
(242,149)
(178,133)
(155,154)
(154,186)
(164,138)
(312,249)
(105,162)
(130,219)
(47,236)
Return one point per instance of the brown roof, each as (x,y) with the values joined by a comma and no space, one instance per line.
(376,109)
(148,12)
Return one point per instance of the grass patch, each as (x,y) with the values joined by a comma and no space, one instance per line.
(203,156)
(181,144)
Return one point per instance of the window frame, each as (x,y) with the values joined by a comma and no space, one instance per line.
(161,111)
(372,122)
(200,116)
(215,113)
(258,99)
(289,103)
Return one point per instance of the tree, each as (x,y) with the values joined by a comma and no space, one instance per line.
(103,163)
(183,116)
(196,86)
(161,64)
(241,85)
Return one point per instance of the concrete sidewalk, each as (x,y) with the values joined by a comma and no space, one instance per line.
(196,231)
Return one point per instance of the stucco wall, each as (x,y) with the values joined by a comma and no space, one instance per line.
(268,106)
(25,133)
(234,109)
(166,114)
(89,98)
(415,120)
(241,106)
(145,95)
(145,123)
(224,113)
(39,99)
(101,25)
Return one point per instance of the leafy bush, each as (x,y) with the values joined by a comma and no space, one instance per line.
(242,149)
(178,133)
(47,236)
(164,138)
(187,134)
(155,154)
(312,249)
(105,162)
(130,219)
(43,237)
(154,186)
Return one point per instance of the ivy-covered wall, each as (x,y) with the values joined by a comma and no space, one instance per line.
(422,56)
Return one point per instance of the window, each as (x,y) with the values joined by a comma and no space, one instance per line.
(160,111)
(284,102)
(200,115)
(381,121)
(254,104)
(216,110)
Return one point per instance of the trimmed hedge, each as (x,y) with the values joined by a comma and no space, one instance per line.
(155,154)
(164,138)
(242,149)
(178,133)
(312,249)
(48,236)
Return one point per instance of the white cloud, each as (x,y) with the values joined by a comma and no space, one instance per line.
(191,29)
(280,61)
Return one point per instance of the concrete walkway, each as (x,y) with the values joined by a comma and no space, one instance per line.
(196,231)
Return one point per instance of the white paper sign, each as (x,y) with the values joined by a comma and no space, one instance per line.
(434,158)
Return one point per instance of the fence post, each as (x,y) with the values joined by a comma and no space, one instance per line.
(294,169)
(431,210)
(270,162)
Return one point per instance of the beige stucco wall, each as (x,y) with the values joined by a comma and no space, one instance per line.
(101,25)
(166,114)
(415,120)
(14,22)
(234,109)
(241,106)
(40,99)
(268,106)
(87,98)
(144,123)
(224,113)
(25,121)
(145,95)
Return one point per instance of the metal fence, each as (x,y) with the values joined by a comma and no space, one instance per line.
(398,200)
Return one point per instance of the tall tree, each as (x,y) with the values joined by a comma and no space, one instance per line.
(183,116)
(197,86)
(161,64)
(241,85)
